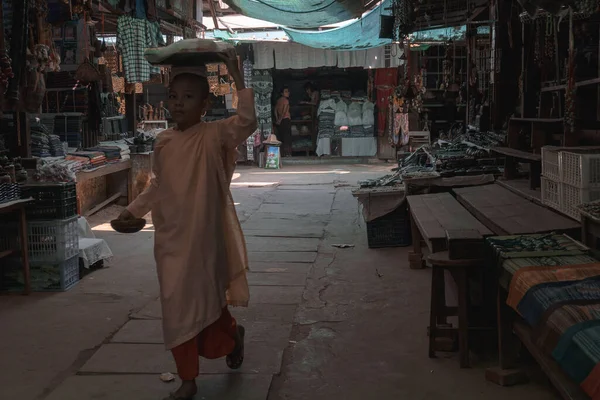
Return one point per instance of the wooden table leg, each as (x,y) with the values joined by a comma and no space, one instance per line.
(24,252)
(415,257)
(505,374)
(510,168)
(463,318)
(434,308)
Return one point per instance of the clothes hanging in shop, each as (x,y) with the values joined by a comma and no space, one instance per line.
(386,80)
(134,36)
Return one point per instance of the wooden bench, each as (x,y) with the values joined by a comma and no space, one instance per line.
(431,215)
(507,213)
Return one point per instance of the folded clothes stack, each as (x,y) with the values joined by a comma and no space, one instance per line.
(56,147)
(77,163)
(112,153)
(357,131)
(97,159)
(123,147)
(40,144)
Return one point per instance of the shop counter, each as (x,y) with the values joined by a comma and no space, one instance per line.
(96,186)
(351,146)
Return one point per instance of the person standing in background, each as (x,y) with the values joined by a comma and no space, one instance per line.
(283,120)
(313,95)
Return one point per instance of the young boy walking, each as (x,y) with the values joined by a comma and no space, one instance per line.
(199,247)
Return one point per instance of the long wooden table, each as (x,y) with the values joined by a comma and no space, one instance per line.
(431,215)
(18,206)
(507,213)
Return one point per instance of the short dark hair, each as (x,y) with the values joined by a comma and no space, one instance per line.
(284,88)
(202,80)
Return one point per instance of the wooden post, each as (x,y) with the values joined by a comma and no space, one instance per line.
(131,111)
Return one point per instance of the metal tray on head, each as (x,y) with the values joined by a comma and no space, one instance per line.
(188,52)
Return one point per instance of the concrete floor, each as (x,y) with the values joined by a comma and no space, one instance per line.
(323,323)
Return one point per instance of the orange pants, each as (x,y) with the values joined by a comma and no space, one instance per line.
(215,341)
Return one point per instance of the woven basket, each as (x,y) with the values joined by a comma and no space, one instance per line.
(87,72)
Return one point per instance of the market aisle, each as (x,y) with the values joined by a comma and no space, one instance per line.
(361,330)
(283,228)
(323,322)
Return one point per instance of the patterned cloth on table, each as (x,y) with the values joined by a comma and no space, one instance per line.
(134,36)
(578,350)
(591,385)
(510,266)
(538,249)
(529,277)
(557,319)
(540,298)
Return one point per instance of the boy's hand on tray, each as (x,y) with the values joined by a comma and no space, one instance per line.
(231,61)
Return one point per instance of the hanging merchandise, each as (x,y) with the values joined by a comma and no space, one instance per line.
(6,71)
(549,38)
(404,20)
(386,80)
(134,36)
(262,82)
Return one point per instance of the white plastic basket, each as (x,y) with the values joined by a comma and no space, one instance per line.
(550,162)
(53,241)
(551,193)
(580,170)
(572,196)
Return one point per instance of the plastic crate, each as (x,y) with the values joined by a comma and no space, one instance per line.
(551,163)
(391,230)
(52,201)
(9,192)
(45,277)
(573,196)
(579,169)
(551,193)
(53,241)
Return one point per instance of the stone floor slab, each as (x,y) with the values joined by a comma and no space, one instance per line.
(280,267)
(150,387)
(147,331)
(254,312)
(297,209)
(282,232)
(276,294)
(274,333)
(151,310)
(276,279)
(290,256)
(116,358)
(278,244)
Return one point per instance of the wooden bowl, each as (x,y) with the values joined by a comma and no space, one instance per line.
(128,226)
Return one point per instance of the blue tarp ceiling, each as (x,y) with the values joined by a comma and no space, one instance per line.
(356,35)
(299,13)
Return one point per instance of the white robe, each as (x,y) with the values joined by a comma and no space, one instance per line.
(199,246)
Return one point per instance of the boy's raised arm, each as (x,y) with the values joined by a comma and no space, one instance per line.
(238,128)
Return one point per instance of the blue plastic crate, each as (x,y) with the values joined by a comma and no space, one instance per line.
(45,277)
(391,230)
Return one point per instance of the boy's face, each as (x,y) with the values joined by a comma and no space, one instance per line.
(286,93)
(187,100)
